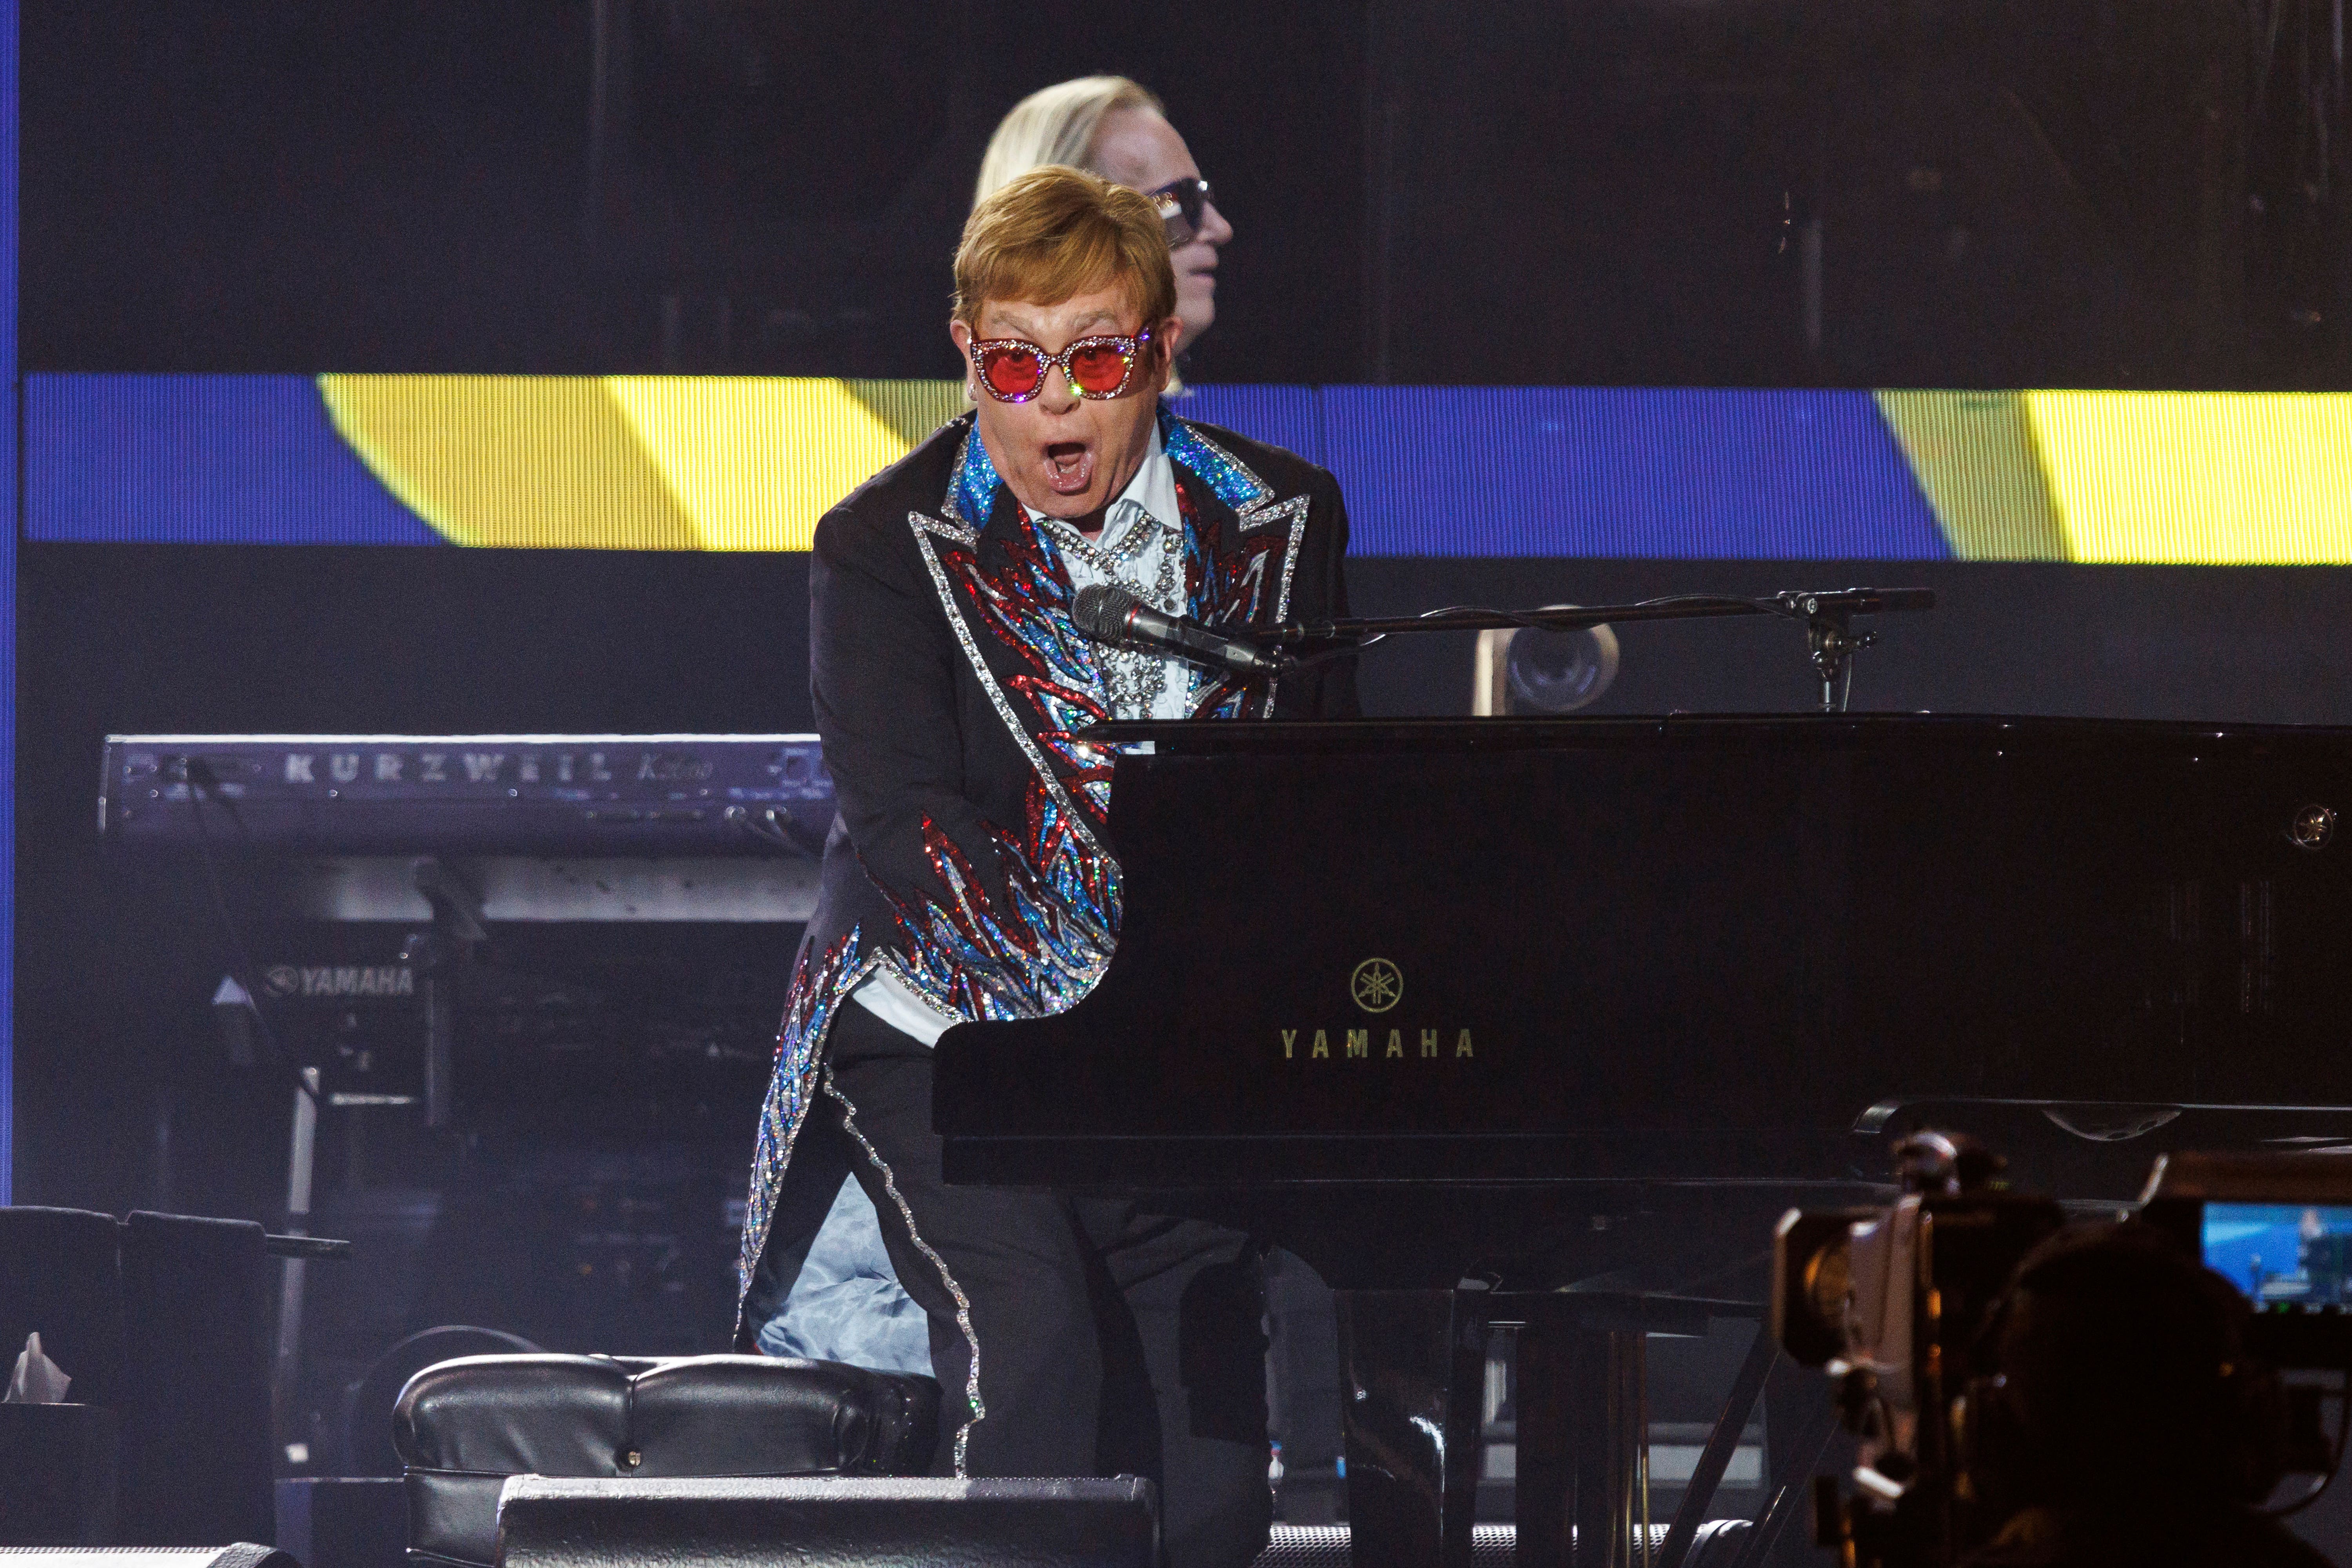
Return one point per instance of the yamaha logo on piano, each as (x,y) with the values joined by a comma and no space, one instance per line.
(1365,1045)
(1377,985)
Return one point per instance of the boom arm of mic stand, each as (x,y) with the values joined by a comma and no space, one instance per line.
(1830,638)
(1363,627)
(1796,604)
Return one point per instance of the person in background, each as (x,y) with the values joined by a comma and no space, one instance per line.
(1116,128)
(2127,1423)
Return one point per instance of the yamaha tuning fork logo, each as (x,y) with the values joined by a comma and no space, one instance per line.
(1377,986)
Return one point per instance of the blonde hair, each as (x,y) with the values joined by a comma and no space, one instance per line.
(1053,232)
(1056,124)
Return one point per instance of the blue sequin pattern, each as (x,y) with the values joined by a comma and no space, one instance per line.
(1220,470)
(821,986)
(972,490)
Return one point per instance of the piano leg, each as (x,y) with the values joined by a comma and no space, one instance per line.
(1583,1433)
(1799,1425)
(1746,1387)
(1414,1368)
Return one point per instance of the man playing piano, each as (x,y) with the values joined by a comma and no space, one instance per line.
(967,877)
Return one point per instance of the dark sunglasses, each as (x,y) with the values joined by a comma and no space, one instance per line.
(1014,369)
(1180,203)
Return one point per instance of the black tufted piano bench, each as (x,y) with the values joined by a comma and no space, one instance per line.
(462,1427)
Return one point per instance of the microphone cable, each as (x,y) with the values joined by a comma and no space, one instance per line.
(198,775)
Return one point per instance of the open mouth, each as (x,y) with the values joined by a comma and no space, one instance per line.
(1069,467)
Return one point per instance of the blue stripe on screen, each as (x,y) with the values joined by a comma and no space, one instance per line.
(230,459)
(1598,472)
(1603,471)
(1290,418)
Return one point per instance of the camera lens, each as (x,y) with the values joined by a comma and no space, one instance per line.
(1559,672)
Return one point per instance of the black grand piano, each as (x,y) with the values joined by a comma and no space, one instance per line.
(1471,1012)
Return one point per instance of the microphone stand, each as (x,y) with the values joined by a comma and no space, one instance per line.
(1830,636)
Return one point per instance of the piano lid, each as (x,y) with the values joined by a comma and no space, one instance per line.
(1207,737)
(1544,949)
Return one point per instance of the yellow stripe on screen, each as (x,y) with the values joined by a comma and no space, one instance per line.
(2227,478)
(630,462)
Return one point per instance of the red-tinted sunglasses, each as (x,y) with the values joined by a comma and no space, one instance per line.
(1014,369)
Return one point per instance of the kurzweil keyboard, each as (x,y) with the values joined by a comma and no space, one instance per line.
(572,949)
(544,827)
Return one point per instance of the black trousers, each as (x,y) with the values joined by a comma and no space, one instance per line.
(1109,1341)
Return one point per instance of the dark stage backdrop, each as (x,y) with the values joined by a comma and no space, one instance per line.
(1973,192)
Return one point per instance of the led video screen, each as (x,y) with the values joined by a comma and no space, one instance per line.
(653,462)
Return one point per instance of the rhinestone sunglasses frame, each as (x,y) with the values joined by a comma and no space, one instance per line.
(1129,349)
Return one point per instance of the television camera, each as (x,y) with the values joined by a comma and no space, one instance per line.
(1903,1306)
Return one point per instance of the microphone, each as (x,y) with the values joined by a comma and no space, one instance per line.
(1114,615)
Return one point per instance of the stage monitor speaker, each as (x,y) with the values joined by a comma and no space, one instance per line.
(834,1522)
(241,1554)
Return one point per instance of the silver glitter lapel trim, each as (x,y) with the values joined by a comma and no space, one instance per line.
(1268,514)
(961,533)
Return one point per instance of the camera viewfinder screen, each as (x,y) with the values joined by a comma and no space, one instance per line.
(2280,1252)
